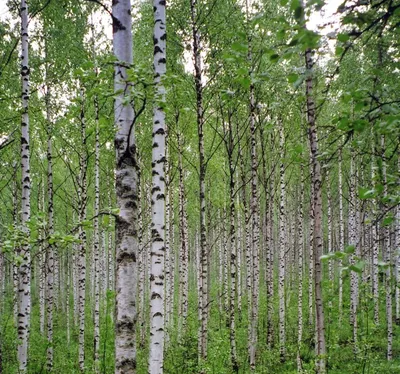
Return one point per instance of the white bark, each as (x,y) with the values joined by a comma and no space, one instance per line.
(126,189)
(317,205)
(157,328)
(388,259)
(300,246)
(397,257)
(353,241)
(24,270)
(282,249)
(51,247)
(82,237)
(255,220)
(197,47)
(184,251)
(96,243)
(341,233)
(42,273)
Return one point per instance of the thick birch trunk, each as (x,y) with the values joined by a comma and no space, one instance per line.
(157,328)
(126,189)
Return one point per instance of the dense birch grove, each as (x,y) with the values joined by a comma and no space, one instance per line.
(222,200)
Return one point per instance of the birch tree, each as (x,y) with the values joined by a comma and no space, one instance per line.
(126,191)
(157,326)
(24,269)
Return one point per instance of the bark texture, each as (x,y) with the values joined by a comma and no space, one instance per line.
(126,244)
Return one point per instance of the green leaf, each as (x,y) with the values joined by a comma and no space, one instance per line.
(358,266)
(239,47)
(339,51)
(365,193)
(340,255)
(274,58)
(292,77)
(325,258)
(245,82)
(387,221)
(350,249)
(343,37)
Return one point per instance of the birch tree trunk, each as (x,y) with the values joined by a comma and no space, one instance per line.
(184,251)
(255,221)
(82,198)
(233,250)
(397,257)
(282,250)
(42,263)
(126,189)
(317,204)
(168,215)
(51,247)
(375,254)
(341,233)
(96,242)
(353,241)
(24,270)
(388,259)
(202,175)
(300,270)
(157,328)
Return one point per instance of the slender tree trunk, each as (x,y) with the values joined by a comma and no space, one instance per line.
(51,247)
(239,251)
(232,250)
(184,251)
(353,241)
(67,294)
(157,328)
(311,281)
(225,266)
(110,247)
(168,215)
(397,257)
(388,259)
(126,188)
(254,217)
(282,249)
(317,203)
(14,265)
(341,234)
(330,230)
(96,242)
(24,270)
(82,198)
(300,270)
(202,175)
(270,272)
(42,272)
